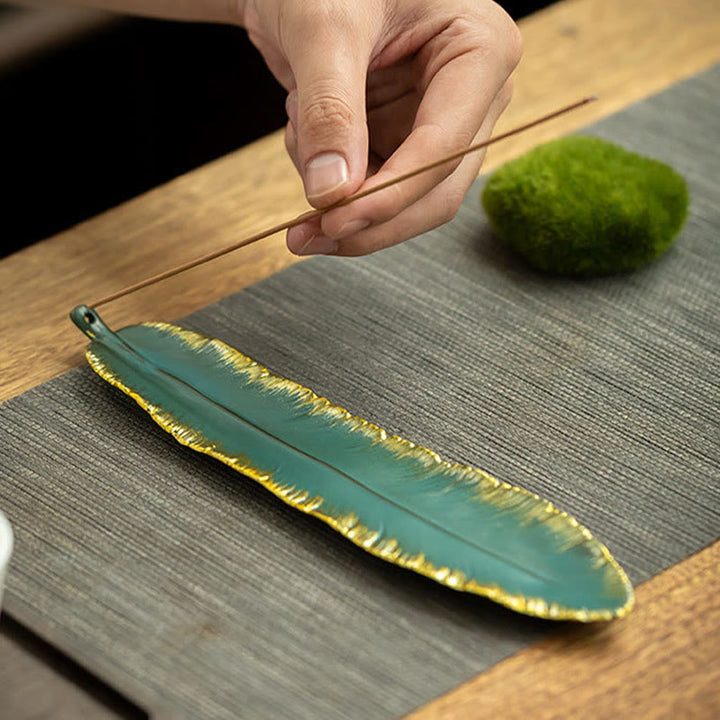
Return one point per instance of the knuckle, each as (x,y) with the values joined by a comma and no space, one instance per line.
(447,213)
(500,40)
(446,142)
(327,111)
(506,42)
(451,205)
(513,44)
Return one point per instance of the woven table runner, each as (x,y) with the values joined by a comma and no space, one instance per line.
(192,590)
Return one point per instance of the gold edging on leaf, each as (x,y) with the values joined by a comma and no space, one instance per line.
(349,525)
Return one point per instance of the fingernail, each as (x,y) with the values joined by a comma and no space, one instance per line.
(352,227)
(319,245)
(325,173)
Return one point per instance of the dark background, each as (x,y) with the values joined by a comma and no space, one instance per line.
(122,106)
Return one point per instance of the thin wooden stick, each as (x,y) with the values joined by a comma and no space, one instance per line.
(341,203)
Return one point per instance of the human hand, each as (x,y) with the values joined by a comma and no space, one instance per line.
(378,88)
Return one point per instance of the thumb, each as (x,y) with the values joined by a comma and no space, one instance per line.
(330,122)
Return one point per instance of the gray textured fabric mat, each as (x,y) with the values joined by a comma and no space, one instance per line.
(191,588)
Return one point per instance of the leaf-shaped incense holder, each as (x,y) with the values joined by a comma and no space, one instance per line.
(401,502)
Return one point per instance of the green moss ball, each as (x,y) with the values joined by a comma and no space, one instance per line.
(585,207)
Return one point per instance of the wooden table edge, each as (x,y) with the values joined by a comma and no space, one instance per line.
(597,664)
(503,674)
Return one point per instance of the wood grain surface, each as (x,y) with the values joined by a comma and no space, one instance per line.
(660,662)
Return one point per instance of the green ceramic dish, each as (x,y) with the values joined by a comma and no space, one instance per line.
(401,502)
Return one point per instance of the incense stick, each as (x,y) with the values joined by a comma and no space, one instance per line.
(286,225)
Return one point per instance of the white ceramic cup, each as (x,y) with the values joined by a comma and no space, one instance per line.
(6,546)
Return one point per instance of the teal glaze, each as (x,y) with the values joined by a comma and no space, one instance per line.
(458,518)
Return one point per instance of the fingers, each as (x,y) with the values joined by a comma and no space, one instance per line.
(329,53)
(446,93)
(391,123)
(460,74)
(435,208)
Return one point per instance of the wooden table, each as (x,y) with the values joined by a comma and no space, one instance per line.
(664,660)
